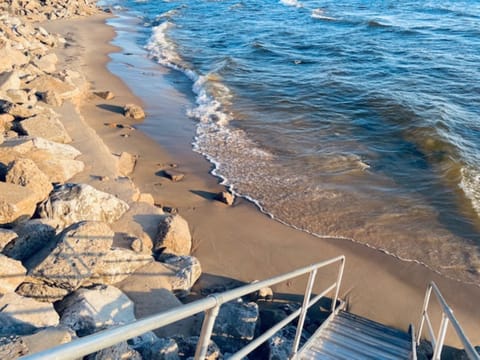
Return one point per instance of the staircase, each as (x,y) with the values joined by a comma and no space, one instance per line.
(348,336)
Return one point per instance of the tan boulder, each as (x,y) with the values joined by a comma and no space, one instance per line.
(44,83)
(19,97)
(173,236)
(46,63)
(10,57)
(5,237)
(12,274)
(5,121)
(25,172)
(16,203)
(16,110)
(9,80)
(57,168)
(50,97)
(46,127)
(41,291)
(133,111)
(47,338)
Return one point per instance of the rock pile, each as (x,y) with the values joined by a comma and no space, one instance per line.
(63,244)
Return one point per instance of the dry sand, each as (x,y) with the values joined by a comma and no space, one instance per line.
(240,242)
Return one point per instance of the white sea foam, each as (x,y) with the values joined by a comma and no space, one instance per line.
(320,14)
(295,3)
(470,184)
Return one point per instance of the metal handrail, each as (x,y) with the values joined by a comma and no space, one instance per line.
(447,316)
(211,306)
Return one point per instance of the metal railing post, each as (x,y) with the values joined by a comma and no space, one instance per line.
(206,333)
(426,301)
(339,280)
(440,337)
(303,313)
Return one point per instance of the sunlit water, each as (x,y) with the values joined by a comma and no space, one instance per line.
(354,119)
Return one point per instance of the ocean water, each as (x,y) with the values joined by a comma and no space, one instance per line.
(350,119)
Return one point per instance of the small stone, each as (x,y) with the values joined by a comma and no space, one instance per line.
(107,95)
(174,175)
(226,197)
(134,112)
(146,198)
(126,163)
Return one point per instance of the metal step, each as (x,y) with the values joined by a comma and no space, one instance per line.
(349,336)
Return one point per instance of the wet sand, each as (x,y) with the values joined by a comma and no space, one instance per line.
(237,242)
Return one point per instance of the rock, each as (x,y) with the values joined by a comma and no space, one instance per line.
(140,222)
(126,163)
(9,80)
(187,270)
(5,237)
(58,169)
(10,57)
(107,95)
(32,237)
(51,97)
(12,274)
(5,122)
(280,345)
(19,97)
(89,310)
(22,316)
(47,338)
(163,349)
(49,128)
(25,172)
(16,203)
(237,319)
(16,110)
(120,351)
(41,292)
(226,197)
(63,89)
(173,236)
(26,144)
(134,112)
(159,299)
(70,203)
(188,345)
(47,63)
(174,175)
(74,256)
(12,347)
(118,264)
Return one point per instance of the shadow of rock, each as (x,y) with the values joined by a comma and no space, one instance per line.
(112,108)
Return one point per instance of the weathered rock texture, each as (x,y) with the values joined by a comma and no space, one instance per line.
(16,203)
(70,203)
(12,273)
(134,112)
(74,256)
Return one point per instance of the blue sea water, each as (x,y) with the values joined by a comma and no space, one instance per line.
(352,119)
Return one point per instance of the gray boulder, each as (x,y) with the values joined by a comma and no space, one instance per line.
(23,316)
(173,236)
(163,349)
(237,319)
(73,257)
(120,351)
(89,310)
(187,270)
(70,203)
(32,237)
(12,274)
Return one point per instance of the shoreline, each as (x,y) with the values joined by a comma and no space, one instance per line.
(376,285)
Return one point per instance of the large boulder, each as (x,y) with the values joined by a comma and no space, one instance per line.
(74,256)
(44,83)
(188,345)
(47,338)
(16,203)
(162,349)
(40,291)
(9,80)
(280,345)
(32,237)
(12,274)
(25,172)
(173,236)
(187,270)
(89,310)
(117,264)
(57,168)
(46,127)
(237,319)
(12,347)
(46,63)
(10,57)
(140,221)
(16,110)
(23,316)
(70,203)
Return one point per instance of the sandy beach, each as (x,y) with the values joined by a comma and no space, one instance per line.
(237,242)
